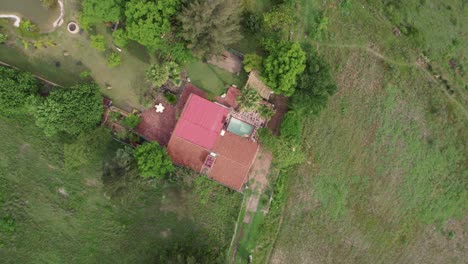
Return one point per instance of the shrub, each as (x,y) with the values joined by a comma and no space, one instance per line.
(85,74)
(28,29)
(3,38)
(131,121)
(252,62)
(16,88)
(153,161)
(97,42)
(49,3)
(170,98)
(113,60)
(249,99)
(120,37)
(114,116)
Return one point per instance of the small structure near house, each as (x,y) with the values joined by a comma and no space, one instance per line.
(254,82)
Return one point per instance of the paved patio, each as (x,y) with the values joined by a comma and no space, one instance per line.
(158,126)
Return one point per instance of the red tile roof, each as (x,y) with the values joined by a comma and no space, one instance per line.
(197,134)
(230,100)
(201,121)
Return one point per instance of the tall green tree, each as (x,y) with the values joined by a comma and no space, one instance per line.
(285,62)
(100,11)
(148,20)
(70,110)
(16,88)
(153,160)
(209,25)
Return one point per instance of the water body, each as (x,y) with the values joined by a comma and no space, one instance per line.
(32,10)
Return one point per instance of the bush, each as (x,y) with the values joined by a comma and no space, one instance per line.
(153,161)
(131,121)
(16,89)
(85,74)
(97,42)
(120,38)
(114,116)
(252,62)
(170,98)
(3,38)
(49,3)
(28,29)
(113,60)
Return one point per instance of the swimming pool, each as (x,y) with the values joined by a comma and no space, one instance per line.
(239,127)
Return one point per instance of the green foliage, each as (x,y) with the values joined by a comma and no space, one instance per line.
(149,21)
(98,42)
(70,110)
(252,61)
(16,88)
(252,22)
(170,98)
(249,99)
(286,152)
(315,85)
(265,111)
(131,121)
(97,11)
(113,60)
(153,161)
(281,18)
(285,62)
(3,38)
(85,74)
(49,3)
(209,26)
(291,127)
(120,37)
(176,51)
(87,147)
(28,29)
(157,74)
(114,116)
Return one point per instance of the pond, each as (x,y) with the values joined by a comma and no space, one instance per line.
(32,10)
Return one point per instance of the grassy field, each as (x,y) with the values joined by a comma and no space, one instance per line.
(213,79)
(386,179)
(51,214)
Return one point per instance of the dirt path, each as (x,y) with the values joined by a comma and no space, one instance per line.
(416,64)
(258,182)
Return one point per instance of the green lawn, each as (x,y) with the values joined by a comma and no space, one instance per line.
(50,214)
(213,79)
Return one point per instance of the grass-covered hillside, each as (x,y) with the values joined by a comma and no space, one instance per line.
(101,212)
(385,179)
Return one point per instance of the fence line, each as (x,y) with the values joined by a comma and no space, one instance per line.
(36,76)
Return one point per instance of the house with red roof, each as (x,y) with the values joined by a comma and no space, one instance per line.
(209,140)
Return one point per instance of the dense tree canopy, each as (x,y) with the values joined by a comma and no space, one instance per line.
(252,61)
(315,84)
(15,89)
(148,20)
(281,18)
(285,62)
(70,110)
(100,11)
(210,25)
(153,160)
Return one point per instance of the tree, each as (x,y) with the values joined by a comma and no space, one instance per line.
(131,121)
(249,99)
(285,62)
(120,37)
(70,110)
(157,74)
(97,42)
(148,20)
(252,61)
(153,161)
(315,85)
(100,11)
(281,18)
(16,88)
(210,25)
